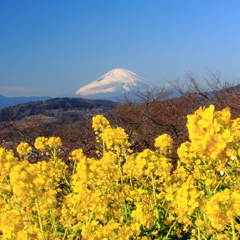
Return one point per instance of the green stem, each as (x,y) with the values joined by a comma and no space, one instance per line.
(206,223)
(199,236)
(233,230)
(121,174)
(154,191)
(53,222)
(74,167)
(65,234)
(215,189)
(65,177)
(39,218)
(155,200)
(166,237)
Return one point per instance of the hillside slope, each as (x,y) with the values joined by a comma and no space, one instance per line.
(60,108)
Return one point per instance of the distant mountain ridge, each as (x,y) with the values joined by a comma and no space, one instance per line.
(11,101)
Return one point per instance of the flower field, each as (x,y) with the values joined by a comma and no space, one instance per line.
(125,195)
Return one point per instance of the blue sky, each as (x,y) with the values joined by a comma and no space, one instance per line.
(52,47)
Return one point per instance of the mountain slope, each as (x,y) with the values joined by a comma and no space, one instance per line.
(114,84)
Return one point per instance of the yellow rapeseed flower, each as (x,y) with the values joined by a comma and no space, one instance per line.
(24,148)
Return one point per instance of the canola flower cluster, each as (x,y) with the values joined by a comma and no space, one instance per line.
(125,195)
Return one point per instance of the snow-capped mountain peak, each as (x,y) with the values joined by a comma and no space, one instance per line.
(115,81)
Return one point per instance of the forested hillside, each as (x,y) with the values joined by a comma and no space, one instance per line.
(57,107)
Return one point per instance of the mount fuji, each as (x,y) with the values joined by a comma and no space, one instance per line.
(113,84)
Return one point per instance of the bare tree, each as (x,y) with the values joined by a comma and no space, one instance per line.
(215,91)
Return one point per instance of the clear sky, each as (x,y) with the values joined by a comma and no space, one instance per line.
(52,47)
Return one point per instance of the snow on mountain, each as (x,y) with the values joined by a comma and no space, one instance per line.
(114,83)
